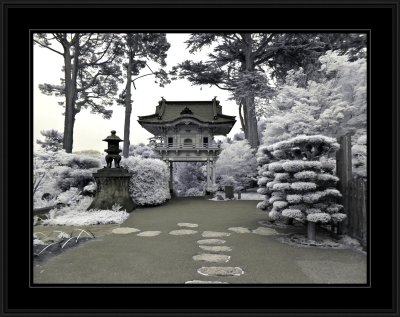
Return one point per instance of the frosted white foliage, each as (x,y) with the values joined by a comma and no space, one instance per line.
(305,175)
(91,187)
(334,104)
(303,186)
(293,213)
(338,217)
(268,174)
(301,139)
(270,185)
(327,177)
(281,186)
(38,242)
(149,184)
(279,205)
(319,217)
(262,190)
(334,208)
(274,215)
(275,167)
(315,165)
(262,205)
(301,207)
(275,198)
(312,211)
(281,177)
(262,181)
(69,196)
(332,192)
(328,165)
(313,197)
(294,199)
(293,166)
(238,161)
(77,215)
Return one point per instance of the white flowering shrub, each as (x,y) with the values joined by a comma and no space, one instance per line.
(301,184)
(149,184)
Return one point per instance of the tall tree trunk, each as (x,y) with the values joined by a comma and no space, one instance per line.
(128,109)
(69,102)
(249,105)
(242,121)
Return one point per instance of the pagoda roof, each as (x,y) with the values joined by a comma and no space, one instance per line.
(209,112)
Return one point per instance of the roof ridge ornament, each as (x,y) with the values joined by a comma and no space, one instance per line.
(186,110)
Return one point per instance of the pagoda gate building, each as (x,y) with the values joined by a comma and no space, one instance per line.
(184,132)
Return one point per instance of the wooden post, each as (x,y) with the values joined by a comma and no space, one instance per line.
(171,178)
(344,172)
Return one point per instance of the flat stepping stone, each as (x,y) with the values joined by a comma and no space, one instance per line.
(149,233)
(124,230)
(215,234)
(263,231)
(187,224)
(220,271)
(215,248)
(205,282)
(211,241)
(209,257)
(239,229)
(182,232)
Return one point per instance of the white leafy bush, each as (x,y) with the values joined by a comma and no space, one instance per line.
(69,196)
(312,198)
(262,205)
(338,217)
(77,215)
(305,175)
(313,211)
(327,177)
(281,186)
(275,167)
(274,215)
(293,213)
(319,217)
(303,186)
(281,177)
(293,166)
(262,191)
(334,208)
(149,184)
(294,198)
(278,205)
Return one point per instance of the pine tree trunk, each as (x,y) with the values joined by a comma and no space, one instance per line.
(311,230)
(249,105)
(69,103)
(128,110)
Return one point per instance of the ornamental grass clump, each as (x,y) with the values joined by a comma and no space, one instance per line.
(298,182)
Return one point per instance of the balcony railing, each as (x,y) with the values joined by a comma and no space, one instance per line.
(202,146)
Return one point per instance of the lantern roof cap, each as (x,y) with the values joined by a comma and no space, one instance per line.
(113,137)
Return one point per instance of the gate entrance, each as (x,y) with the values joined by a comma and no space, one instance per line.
(184,132)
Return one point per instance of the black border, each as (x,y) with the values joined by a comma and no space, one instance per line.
(22,16)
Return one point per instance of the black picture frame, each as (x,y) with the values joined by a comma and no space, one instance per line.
(379,18)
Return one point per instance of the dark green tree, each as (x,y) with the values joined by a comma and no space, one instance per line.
(137,50)
(90,74)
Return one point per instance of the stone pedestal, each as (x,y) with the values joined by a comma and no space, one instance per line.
(112,188)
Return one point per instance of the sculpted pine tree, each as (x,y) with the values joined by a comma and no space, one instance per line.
(239,63)
(137,50)
(90,74)
(53,140)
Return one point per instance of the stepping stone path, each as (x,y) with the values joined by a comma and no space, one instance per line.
(265,231)
(148,233)
(220,271)
(240,230)
(211,241)
(124,230)
(214,234)
(209,257)
(182,232)
(215,248)
(205,282)
(189,225)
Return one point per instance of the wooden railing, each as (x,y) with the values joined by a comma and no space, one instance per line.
(201,146)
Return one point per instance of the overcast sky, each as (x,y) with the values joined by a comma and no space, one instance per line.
(89,128)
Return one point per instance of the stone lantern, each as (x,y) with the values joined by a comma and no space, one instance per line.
(112,183)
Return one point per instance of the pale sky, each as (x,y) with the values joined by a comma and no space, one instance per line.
(91,129)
